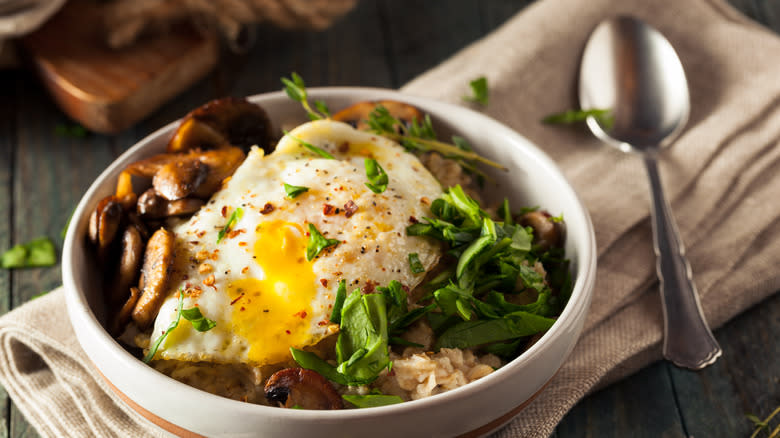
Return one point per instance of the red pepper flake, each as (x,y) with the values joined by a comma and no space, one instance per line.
(244,271)
(267,208)
(201,233)
(302,314)
(370,287)
(350,208)
(242,308)
(224,211)
(235,233)
(425,200)
(328,209)
(413,220)
(194,242)
(237,298)
(323,322)
(344,147)
(287,331)
(324,282)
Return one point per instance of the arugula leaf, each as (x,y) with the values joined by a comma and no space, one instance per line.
(338,302)
(317,150)
(175,323)
(234,217)
(296,90)
(468,334)
(372,400)
(38,252)
(199,322)
(479,90)
(377,178)
(414,263)
(293,191)
(311,361)
(603,116)
(362,346)
(317,242)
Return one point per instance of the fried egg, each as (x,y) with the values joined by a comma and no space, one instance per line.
(256,282)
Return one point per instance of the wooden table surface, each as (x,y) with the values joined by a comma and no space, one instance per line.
(382,43)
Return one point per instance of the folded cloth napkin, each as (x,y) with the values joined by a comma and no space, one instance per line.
(722,176)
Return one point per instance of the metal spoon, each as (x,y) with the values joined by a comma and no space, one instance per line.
(630,69)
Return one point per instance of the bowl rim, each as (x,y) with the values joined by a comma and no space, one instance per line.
(583,282)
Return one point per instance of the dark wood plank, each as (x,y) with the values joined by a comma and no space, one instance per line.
(423,34)
(641,406)
(714,401)
(7,140)
(50,174)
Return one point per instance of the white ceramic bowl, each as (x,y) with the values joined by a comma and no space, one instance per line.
(472,410)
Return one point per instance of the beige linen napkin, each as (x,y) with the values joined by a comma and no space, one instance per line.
(721,176)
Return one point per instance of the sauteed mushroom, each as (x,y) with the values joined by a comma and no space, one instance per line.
(104,224)
(223,122)
(547,233)
(123,316)
(179,179)
(357,114)
(130,258)
(158,260)
(303,388)
(153,206)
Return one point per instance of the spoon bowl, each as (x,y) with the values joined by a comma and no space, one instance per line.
(631,70)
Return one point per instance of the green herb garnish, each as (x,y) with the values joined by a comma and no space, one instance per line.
(38,252)
(70,130)
(362,347)
(171,326)
(479,90)
(319,151)
(418,137)
(414,264)
(764,424)
(495,260)
(317,242)
(338,302)
(293,191)
(603,116)
(199,323)
(296,90)
(234,217)
(377,178)
(372,400)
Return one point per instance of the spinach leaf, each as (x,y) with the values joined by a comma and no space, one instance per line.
(372,400)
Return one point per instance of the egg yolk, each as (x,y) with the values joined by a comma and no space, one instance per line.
(274,313)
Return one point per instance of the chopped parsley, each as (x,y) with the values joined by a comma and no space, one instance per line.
(479,91)
(377,178)
(603,116)
(414,264)
(234,217)
(319,151)
(193,315)
(317,242)
(293,191)
(38,252)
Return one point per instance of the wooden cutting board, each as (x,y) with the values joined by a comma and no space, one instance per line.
(108,90)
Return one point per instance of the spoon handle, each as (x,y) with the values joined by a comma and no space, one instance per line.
(688,341)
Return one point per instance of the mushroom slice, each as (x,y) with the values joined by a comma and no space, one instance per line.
(547,232)
(221,164)
(178,179)
(299,387)
(149,167)
(222,122)
(104,223)
(158,261)
(123,316)
(357,114)
(129,263)
(153,206)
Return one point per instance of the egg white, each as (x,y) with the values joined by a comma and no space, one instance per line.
(286,299)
